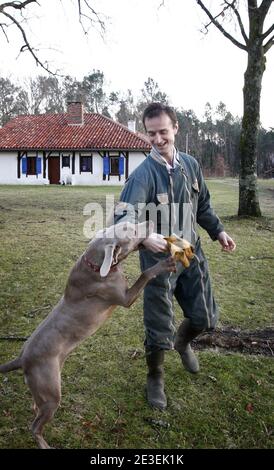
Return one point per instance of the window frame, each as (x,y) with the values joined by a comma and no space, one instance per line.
(31,166)
(111,172)
(65,157)
(112,156)
(81,156)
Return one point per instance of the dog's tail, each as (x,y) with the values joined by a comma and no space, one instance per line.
(12,365)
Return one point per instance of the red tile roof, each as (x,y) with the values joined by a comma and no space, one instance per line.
(52,132)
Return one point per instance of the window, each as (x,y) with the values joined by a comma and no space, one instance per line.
(65,161)
(31,165)
(114,166)
(85,163)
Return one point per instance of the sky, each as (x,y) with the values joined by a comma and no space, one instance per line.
(144,38)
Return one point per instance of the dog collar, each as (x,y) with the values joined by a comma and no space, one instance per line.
(97,268)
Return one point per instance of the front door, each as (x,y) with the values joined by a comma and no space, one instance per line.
(54,170)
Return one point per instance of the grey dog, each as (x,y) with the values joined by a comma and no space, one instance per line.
(96,285)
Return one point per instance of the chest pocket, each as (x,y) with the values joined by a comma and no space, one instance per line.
(162,198)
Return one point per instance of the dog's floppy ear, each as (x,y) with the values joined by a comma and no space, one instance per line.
(104,270)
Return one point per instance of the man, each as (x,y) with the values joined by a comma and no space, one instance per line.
(173,182)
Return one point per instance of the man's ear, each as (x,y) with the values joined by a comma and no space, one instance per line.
(176,127)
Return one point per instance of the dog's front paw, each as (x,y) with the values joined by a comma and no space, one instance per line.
(169,265)
(166,265)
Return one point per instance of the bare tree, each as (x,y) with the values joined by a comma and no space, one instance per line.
(12,13)
(256,42)
(151,92)
(45,95)
(13,100)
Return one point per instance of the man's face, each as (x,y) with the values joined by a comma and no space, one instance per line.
(161,133)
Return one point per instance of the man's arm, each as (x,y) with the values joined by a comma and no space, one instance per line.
(206,216)
(208,220)
(226,241)
(156,243)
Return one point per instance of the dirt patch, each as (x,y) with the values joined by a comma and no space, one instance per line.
(244,341)
(248,342)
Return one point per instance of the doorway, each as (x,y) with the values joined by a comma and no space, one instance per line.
(54,170)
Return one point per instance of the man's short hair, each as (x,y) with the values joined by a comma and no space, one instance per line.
(156,109)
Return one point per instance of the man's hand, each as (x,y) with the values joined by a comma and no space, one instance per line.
(155,243)
(227,243)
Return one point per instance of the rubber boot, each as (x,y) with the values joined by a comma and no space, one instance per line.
(185,334)
(155,378)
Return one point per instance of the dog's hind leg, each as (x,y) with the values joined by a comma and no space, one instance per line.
(45,414)
(45,385)
(35,408)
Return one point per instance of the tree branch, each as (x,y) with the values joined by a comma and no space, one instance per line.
(264,35)
(232,5)
(264,7)
(219,14)
(3,26)
(252,4)
(16,5)
(27,44)
(94,17)
(219,26)
(94,13)
(162,4)
(269,44)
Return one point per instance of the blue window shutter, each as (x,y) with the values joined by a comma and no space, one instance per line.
(121,166)
(24,165)
(106,166)
(38,166)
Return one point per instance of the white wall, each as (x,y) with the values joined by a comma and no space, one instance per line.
(8,167)
(8,170)
(33,179)
(96,178)
(135,158)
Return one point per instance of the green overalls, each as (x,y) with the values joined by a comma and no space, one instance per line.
(182,200)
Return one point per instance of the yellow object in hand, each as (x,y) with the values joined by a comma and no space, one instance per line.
(180,249)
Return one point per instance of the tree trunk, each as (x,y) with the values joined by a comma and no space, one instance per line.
(248,189)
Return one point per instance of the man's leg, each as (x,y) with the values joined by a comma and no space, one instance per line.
(159,328)
(155,392)
(194,294)
(185,334)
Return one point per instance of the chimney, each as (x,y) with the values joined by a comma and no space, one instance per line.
(75,112)
(131,125)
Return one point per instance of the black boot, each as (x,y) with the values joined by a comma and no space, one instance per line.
(155,378)
(185,334)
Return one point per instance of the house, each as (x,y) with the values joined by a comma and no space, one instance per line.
(72,148)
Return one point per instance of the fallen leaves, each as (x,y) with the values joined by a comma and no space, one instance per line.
(249,408)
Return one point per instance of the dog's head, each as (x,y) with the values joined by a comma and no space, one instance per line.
(120,240)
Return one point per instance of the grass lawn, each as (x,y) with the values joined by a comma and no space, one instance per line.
(229,404)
